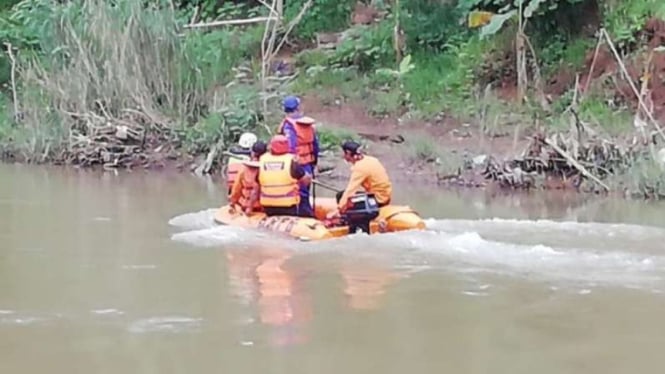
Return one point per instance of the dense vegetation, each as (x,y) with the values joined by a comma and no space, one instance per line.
(116,82)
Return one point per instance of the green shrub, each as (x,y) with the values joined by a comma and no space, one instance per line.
(322,16)
(623,19)
(367,47)
(432,25)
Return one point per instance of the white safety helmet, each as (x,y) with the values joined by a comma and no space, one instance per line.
(247,140)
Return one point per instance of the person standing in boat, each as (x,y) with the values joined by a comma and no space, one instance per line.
(280,178)
(303,143)
(237,154)
(366,172)
(245,190)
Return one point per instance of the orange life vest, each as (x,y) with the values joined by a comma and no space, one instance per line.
(232,169)
(248,183)
(278,187)
(305,134)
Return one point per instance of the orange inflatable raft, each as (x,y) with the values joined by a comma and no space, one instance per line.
(391,218)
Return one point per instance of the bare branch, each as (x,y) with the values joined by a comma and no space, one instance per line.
(230,22)
(593,63)
(292,25)
(271,8)
(195,16)
(632,84)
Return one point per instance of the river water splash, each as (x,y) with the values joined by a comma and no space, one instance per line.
(563,253)
(128,273)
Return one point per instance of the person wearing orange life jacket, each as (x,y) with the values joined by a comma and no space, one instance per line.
(279,179)
(237,154)
(246,186)
(366,172)
(303,142)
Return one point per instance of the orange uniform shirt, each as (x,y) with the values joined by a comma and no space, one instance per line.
(369,174)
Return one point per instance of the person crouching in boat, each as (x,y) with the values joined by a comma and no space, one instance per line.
(280,177)
(245,190)
(237,154)
(366,172)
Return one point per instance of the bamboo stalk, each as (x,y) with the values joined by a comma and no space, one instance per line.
(13,79)
(269,35)
(396,34)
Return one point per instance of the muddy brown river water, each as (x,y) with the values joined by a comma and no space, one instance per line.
(105,273)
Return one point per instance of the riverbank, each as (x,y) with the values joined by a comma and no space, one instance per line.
(444,152)
(451,153)
(452,109)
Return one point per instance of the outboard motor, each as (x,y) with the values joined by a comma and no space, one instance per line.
(362,210)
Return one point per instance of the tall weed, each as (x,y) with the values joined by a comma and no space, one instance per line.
(122,63)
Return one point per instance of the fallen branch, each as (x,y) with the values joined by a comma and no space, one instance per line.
(231,22)
(576,164)
(205,166)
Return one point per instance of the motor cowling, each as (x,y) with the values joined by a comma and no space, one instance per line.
(363,208)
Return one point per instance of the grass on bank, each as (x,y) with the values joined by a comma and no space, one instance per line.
(331,137)
(97,64)
(644,178)
(442,82)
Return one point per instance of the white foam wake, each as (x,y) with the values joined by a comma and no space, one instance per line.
(591,253)
(196,220)
(469,251)
(563,234)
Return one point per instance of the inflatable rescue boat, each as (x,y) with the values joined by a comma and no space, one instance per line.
(390,218)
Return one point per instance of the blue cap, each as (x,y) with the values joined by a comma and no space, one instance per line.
(291,103)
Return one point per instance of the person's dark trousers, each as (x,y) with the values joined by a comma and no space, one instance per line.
(281,211)
(338,197)
(304,207)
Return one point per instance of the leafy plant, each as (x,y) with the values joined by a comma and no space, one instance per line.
(367,47)
(225,124)
(330,138)
(623,19)
(445,81)
(431,25)
(322,16)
